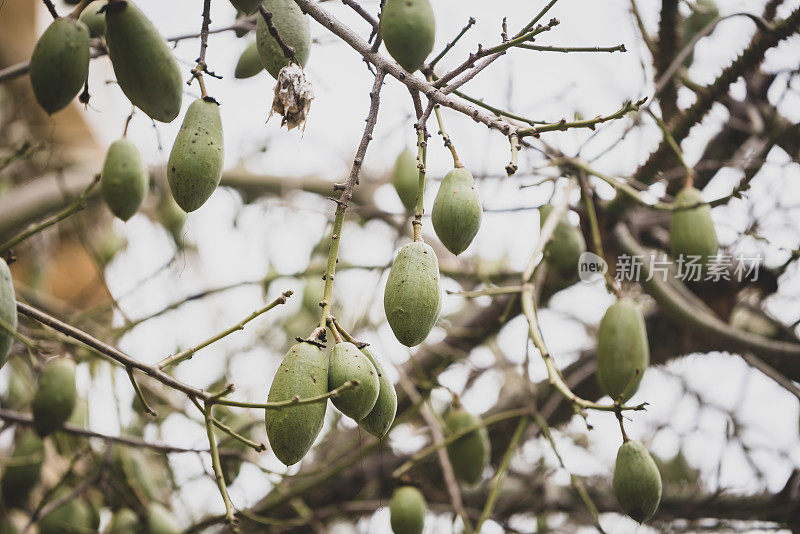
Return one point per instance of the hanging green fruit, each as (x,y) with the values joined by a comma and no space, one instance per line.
(405,178)
(23,469)
(249,63)
(622,349)
(72,516)
(469,454)
(637,482)
(692,235)
(95,21)
(407,510)
(347,363)
(293,29)
(409,31)
(380,418)
(160,520)
(8,311)
(124,521)
(564,250)
(124,179)
(171,217)
(56,397)
(248,7)
(457,211)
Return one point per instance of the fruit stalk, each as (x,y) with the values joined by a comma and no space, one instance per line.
(230,518)
(421,153)
(597,241)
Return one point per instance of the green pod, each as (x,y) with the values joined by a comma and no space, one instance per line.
(131,470)
(195,163)
(124,179)
(380,419)
(457,211)
(468,454)
(96,22)
(22,469)
(249,63)
(60,63)
(312,294)
(291,431)
(56,397)
(248,7)
(405,178)
(637,482)
(72,516)
(293,29)
(692,234)
(143,63)
(408,29)
(564,250)
(412,298)
(622,349)
(160,520)
(8,310)
(407,510)
(348,363)
(124,521)
(171,217)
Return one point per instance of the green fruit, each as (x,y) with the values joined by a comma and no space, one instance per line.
(407,510)
(348,363)
(564,250)
(677,471)
(313,293)
(22,469)
(8,311)
(160,520)
(469,454)
(409,31)
(143,63)
(457,211)
(7,526)
(195,163)
(240,17)
(294,30)
(60,63)
(130,468)
(291,431)
(124,521)
(637,482)
(701,17)
(96,22)
(692,236)
(71,517)
(20,388)
(380,419)
(405,178)
(248,7)
(172,218)
(412,299)
(622,349)
(249,63)
(124,179)
(56,397)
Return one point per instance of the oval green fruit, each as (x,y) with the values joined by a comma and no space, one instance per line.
(409,31)
(60,63)
(379,420)
(72,516)
(171,217)
(160,520)
(124,179)
(564,250)
(294,30)
(96,22)
(124,521)
(407,510)
(692,235)
(249,63)
(706,11)
(56,397)
(622,349)
(637,482)
(405,178)
(348,363)
(23,469)
(291,431)
(8,310)
(457,211)
(143,63)
(468,454)
(195,163)
(248,7)
(412,299)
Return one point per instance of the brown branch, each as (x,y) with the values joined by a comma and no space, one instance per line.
(288,51)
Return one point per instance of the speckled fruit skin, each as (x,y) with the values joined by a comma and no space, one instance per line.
(407,510)
(8,310)
(564,250)
(124,179)
(346,362)
(60,63)
(56,397)
(412,299)
(19,478)
(457,212)
(469,454)
(692,231)
(96,22)
(405,178)
(637,482)
(249,63)
(247,7)
(160,520)
(622,348)
(294,29)
(380,418)
(292,430)
(408,29)
(195,163)
(143,63)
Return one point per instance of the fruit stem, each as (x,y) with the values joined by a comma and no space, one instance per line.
(597,241)
(79,9)
(421,156)
(230,518)
(335,331)
(448,143)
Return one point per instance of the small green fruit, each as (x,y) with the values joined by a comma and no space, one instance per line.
(457,211)
(469,454)
(172,217)
(195,163)
(124,521)
(291,430)
(248,7)
(56,397)
(622,349)
(23,469)
(60,63)
(692,235)
(409,31)
(637,482)
(380,419)
(96,22)
(72,516)
(705,12)
(564,250)
(249,63)
(405,178)
(348,363)
(312,294)
(124,179)
(160,520)
(8,310)
(412,299)
(407,510)
(143,63)
(293,29)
